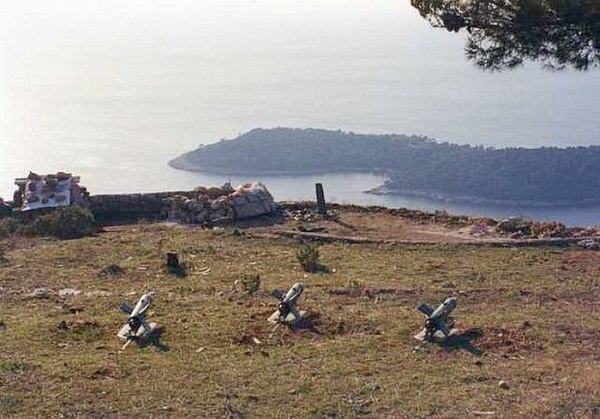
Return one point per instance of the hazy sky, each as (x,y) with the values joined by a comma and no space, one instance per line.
(114,89)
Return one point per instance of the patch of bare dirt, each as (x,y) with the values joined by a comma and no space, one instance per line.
(580,261)
(257,337)
(345,327)
(581,335)
(379,224)
(504,340)
(105,372)
(371,293)
(384,226)
(80,329)
(354,223)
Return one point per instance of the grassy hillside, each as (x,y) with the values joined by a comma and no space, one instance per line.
(536,308)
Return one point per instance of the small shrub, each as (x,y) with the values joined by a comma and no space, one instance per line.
(355,284)
(111,270)
(9,226)
(199,248)
(8,404)
(186,289)
(3,259)
(64,223)
(80,330)
(15,367)
(308,256)
(250,283)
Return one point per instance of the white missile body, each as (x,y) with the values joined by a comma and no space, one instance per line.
(137,327)
(436,320)
(287,310)
(445,308)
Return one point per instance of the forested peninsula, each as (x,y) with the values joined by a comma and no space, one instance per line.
(414,165)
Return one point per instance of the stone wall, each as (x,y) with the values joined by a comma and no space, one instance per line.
(202,205)
(131,207)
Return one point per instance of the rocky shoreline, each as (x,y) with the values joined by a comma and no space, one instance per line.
(181,163)
(473,200)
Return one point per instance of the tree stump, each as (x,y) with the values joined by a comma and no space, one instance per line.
(173,262)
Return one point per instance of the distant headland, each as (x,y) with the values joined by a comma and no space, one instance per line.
(414,165)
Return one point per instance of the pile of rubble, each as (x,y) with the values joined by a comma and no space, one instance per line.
(224,204)
(590,244)
(304,215)
(517,228)
(49,191)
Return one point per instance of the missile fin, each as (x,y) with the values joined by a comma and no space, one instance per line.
(274,318)
(297,315)
(277,293)
(443,327)
(124,332)
(126,308)
(425,309)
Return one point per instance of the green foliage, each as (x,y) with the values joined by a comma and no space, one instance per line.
(250,283)
(186,289)
(308,256)
(80,330)
(111,270)
(355,284)
(416,165)
(63,223)
(8,404)
(8,227)
(501,34)
(14,367)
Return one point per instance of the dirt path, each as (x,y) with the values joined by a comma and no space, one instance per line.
(360,226)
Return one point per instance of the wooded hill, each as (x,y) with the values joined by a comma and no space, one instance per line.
(413,164)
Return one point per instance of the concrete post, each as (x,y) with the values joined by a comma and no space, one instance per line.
(321,205)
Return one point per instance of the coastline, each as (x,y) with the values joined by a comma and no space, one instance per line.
(181,163)
(477,201)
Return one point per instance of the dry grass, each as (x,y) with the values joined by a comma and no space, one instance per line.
(538,310)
